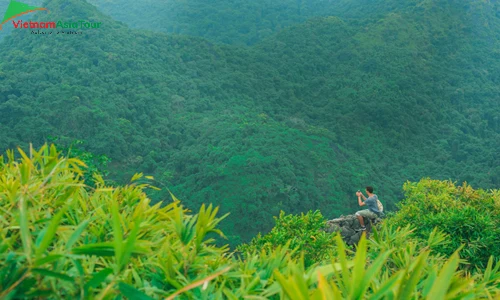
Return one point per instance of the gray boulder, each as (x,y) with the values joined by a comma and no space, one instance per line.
(349,227)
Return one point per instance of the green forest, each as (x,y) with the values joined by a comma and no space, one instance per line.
(258,115)
(299,121)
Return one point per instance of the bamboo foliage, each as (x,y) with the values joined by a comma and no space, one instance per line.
(60,239)
(68,240)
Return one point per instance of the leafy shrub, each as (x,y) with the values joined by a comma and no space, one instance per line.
(60,239)
(469,217)
(422,276)
(304,233)
(94,163)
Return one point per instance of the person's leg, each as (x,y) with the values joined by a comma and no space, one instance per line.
(367,214)
(359,215)
(361,221)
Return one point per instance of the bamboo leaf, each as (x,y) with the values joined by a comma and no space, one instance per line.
(24,226)
(443,281)
(331,268)
(76,234)
(371,273)
(408,286)
(136,177)
(173,197)
(99,249)
(326,291)
(342,259)
(117,232)
(98,278)
(429,282)
(198,283)
(359,268)
(387,287)
(104,249)
(129,245)
(289,287)
(132,293)
(41,234)
(78,267)
(49,273)
(50,232)
(48,259)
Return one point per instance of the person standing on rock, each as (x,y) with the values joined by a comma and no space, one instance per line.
(372,211)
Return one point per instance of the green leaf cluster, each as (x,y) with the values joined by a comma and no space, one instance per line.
(303,232)
(470,217)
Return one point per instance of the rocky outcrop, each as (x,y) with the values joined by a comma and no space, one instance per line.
(349,227)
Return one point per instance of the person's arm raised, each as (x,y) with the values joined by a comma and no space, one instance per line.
(361,203)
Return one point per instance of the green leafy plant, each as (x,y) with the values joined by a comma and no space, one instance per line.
(62,239)
(470,218)
(423,277)
(304,233)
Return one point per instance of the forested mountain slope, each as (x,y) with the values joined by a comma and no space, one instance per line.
(236,21)
(299,121)
(232,22)
(248,22)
